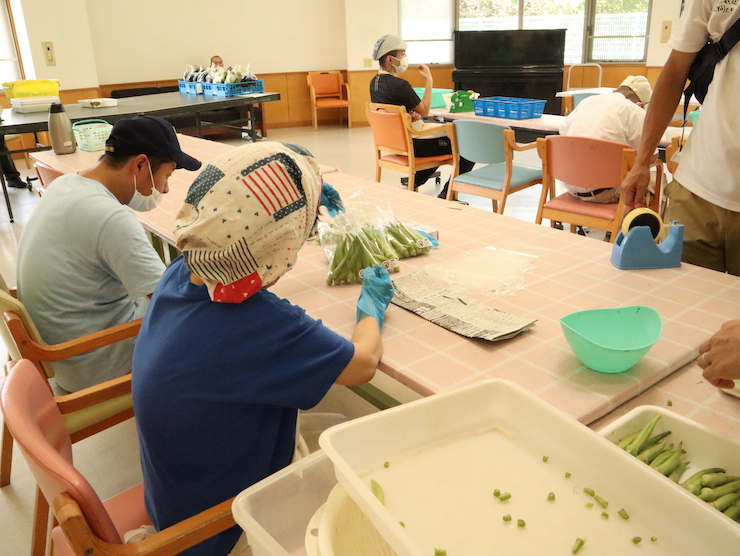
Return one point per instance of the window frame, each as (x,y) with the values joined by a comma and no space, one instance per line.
(16,46)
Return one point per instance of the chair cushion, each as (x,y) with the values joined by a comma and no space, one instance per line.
(568,203)
(492,176)
(331,103)
(125,509)
(404,160)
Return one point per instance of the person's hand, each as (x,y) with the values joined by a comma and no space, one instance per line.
(377,292)
(425,72)
(720,356)
(634,187)
(331,200)
(415,116)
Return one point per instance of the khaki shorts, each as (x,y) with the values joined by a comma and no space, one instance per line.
(711,234)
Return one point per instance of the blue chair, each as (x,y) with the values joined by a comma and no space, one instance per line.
(493,145)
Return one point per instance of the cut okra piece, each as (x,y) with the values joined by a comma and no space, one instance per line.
(578,545)
(402,524)
(605,515)
(545,458)
(589,491)
(670,403)
(496,492)
(603,503)
(636,540)
(590,505)
(653,539)
(386,465)
(623,514)
(520,523)
(440,552)
(377,491)
(567,475)
(507,517)
(504,496)
(550,496)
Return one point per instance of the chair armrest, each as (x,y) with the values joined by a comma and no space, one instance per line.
(346,89)
(35,351)
(312,93)
(171,540)
(94,395)
(511,143)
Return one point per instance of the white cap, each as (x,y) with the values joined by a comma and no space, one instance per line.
(640,85)
(386,44)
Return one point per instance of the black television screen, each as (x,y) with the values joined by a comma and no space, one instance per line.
(527,47)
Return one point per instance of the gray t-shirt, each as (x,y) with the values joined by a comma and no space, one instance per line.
(85,264)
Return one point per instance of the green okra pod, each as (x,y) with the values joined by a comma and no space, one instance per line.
(676,473)
(712,480)
(649,454)
(696,477)
(662,457)
(725,501)
(637,444)
(627,440)
(653,440)
(672,462)
(711,494)
(733,512)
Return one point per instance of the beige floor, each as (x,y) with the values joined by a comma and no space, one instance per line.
(110,460)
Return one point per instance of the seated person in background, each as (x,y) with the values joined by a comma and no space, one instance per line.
(617,117)
(386,88)
(12,175)
(217,62)
(222,365)
(720,356)
(84,261)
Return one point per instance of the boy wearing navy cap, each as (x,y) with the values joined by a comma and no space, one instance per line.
(84,261)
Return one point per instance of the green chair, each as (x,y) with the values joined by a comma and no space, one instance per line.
(493,145)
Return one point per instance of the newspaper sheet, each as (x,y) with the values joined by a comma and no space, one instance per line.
(420,293)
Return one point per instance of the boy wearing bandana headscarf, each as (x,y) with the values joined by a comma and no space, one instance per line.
(222,365)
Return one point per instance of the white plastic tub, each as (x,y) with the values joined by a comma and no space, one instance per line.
(447,453)
(276,511)
(704,447)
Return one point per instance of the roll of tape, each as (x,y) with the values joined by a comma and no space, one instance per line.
(644,217)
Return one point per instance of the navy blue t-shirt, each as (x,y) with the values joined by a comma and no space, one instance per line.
(216,389)
(389,89)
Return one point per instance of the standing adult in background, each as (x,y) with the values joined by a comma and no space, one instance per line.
(705,193)
(618,117)
(387,88)
(84,261)
(217,62)
(11,173)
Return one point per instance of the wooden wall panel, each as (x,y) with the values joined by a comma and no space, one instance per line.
(276,113)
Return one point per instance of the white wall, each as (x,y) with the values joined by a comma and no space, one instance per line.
(662,10)
(366,22)
(65,24)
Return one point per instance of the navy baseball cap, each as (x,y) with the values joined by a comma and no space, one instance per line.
(148,135)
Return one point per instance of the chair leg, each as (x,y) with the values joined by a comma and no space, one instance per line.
(6,457)
(501,205)
(494,205)
(349,117)
(377,173)
(40,524)
(412,175)
(573,229)
(314,119)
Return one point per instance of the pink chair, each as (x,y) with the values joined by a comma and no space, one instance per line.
(86,524)
(590,164)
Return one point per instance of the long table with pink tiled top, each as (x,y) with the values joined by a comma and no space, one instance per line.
(571,273)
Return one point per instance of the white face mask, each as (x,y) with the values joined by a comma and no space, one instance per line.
(144,203)
(403,64)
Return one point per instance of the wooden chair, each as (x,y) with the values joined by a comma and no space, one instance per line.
(591,164)
(393,134)
(87,525)
(46,174)
(328,90)
(672,149)
(14,143)
(493,145)
(84,413)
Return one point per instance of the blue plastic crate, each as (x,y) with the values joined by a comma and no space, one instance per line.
(234,89)
(518,108)
(190,87)
(484,106)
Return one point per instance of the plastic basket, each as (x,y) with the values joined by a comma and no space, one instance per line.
(509,107)
(32,88)
(234,89)
(190,87)
(91,134)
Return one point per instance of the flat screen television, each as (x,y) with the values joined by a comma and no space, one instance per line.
(516,48)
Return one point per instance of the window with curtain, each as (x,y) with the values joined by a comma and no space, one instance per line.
(597,30)
(9,67)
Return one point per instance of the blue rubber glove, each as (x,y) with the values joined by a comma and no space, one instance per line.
(376,294)
(434,242)
(331,200)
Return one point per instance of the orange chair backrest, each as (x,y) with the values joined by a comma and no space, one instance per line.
(34,420)
(326,83)
(585,162)
(389,128)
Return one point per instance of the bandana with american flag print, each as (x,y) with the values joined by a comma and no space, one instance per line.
(246,216)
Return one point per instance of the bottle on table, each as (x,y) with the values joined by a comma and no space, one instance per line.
(60,130)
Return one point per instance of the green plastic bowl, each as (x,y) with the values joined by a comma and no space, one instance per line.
(612,340)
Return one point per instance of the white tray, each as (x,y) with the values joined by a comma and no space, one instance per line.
(448,452)
(704,447)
